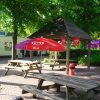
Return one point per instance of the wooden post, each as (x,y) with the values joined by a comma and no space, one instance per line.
(67,63)
(67,58)
(67,55)
(31,55)
(89,54)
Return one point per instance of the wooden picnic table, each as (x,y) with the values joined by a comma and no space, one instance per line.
(71,83)
(23,65)
(59,62)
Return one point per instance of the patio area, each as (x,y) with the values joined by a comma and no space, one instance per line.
(9,85)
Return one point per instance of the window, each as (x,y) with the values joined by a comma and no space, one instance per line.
(8,46)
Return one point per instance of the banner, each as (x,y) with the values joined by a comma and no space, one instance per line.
(63,41)
(76,41)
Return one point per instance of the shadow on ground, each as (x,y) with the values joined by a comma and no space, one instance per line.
(11,72)
(92,73)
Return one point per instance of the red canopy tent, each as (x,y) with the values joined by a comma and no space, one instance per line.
(40,44)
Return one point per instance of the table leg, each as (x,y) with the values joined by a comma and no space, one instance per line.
(58,87)
(52,66)
(67,94)
(39,69)
(7,71)
(40,82)
(23,91)
(59,65)
(25,72)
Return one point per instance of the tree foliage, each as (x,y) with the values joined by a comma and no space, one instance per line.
(23,17)
(32,14)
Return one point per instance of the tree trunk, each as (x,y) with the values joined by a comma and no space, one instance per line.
(14,40)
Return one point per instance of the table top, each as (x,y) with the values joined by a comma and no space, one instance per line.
(73,82)
(23,61)
(64,60)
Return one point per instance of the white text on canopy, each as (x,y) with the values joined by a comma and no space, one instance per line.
(37,43)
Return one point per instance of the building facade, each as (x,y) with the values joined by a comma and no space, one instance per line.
(6,45)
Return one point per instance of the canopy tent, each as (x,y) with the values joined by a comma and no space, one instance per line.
(62,27)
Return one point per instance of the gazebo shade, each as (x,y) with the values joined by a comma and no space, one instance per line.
(60,27)
(75,31)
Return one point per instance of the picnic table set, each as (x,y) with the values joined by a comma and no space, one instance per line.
(88,87)
(71,83)
(23,65)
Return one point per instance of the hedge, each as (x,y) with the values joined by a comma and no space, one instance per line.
(81,56)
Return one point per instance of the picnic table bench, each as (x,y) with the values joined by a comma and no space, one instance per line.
(23,65)
(87,86)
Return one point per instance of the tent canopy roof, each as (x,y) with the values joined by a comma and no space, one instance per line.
(60,27)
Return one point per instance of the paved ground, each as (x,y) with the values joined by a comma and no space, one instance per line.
(10,83)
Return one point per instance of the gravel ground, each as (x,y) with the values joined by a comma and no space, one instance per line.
(9,85)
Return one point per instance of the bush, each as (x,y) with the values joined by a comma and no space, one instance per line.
(46,60)
(82,60)
(75,54)
(95,60)
(79,55)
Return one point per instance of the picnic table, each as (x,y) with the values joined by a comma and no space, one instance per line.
(23,65)
(87,86)
(59,62)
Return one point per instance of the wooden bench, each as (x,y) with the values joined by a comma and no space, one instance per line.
(24,69)
(43,94)
(86,86)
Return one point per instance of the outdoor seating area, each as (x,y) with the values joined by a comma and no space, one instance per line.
(23,65)
(49,50)
(70,83)
(58,63)
(52,84)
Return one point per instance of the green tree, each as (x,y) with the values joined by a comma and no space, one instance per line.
(22,14)
(23,17)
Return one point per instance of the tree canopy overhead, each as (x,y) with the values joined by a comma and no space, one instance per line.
(27,16)
(30,15)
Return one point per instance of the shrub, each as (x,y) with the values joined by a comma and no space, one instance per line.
(78,55)
(82,60)
(95,60)
(46,60)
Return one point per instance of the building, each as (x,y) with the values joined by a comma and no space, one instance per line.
(6,44)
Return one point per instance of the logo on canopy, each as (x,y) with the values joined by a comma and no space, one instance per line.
(37,43)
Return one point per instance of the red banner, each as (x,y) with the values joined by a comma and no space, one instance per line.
(76,41)
(63,40)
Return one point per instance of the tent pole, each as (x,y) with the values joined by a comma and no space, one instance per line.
(41,60)
(31,55)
